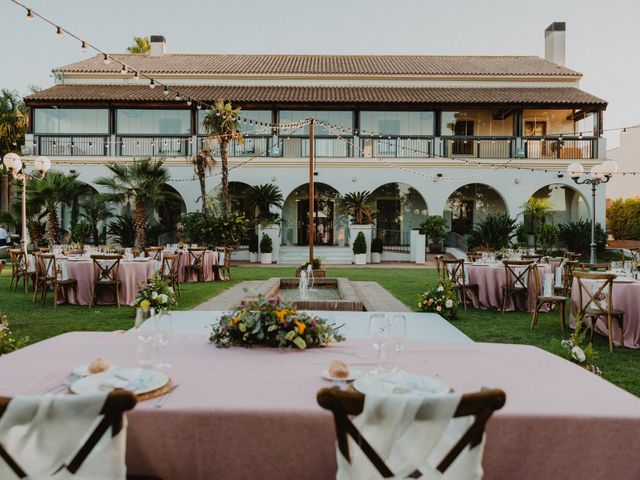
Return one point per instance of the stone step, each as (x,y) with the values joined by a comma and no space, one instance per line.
(330,255)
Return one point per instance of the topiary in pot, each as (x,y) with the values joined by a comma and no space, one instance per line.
(360,249)
(434,229)
(377,246)
(266,247)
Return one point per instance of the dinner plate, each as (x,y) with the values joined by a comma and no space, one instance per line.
(353,375)
(140,260)
(139,381)
(399,382)
(83,370)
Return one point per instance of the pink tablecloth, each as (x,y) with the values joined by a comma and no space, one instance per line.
(252,413)
(210,259)
(132,275)
(626,296)
(491,279)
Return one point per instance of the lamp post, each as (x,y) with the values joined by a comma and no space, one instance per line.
(14,164)
(598,174)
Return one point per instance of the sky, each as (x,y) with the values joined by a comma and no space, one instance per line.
(602,37)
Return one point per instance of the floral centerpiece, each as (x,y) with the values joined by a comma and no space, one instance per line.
(156,294)
(316,265)
(8,341)
(441,299)
(574,352)
(273,323)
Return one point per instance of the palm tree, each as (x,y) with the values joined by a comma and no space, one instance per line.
(260,199)
(203,162)
(221,123)
(13,121)
(137,184)
(140,45)
(51,191)
(358,205)
(537,209)
(95,210)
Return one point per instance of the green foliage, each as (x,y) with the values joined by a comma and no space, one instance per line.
(13,121)
(316,265)
(360,244)
(576,236)
(273,323)
(441,299)
(358,206)
(377,245)
(81,232)
(157,294)
(208,228)
(522,237)
(623,219)
(434,228)
(253,242)
(123,229)
(260,198)
(494,231)
(140,45)
(575,352)
(8,341)
(547,236)
(266,245)
(95,211)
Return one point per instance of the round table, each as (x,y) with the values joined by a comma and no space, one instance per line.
(210,259)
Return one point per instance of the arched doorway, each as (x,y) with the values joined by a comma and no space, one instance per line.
(470,204)
(295,216)
(71,212)
(400,209)
(565,204)
(237,197)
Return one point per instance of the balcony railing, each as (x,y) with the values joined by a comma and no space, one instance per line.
(347,147)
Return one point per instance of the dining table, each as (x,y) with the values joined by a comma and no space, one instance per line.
(626,297)
(252,412)
(133,274)
(209,260)
(491,278)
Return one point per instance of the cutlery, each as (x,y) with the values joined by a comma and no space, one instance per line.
(165,396)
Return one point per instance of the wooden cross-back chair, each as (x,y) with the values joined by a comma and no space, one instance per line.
(635,254)
(154,253)
(453,270)
(53,279)
(516,280)
(343,404)
(73,252)
(117,403)
(591,306)
(170,269)
(541,299)
(572,255)
(568,267)
(106,274)
(19,269)
(595,267)
(532,258)
(196,262)
(472,257)
(222,269)
(44,250)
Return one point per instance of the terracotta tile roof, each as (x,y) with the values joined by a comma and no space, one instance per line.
(329,95)
(420,65)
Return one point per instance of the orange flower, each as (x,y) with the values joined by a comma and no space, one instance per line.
(281,314)
(301,327)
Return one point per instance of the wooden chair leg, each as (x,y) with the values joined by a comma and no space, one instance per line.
(621,323)
(504,300)
(563,307)
(55,296)
(534,316)
(117,289)
(610,328)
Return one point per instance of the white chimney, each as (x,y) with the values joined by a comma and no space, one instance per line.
(158,45)
(554,43)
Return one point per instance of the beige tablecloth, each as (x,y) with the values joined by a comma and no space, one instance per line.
(210,259)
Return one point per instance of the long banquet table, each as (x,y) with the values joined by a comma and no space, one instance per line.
(252,413)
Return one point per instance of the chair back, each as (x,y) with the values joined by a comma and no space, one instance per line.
(44,250)
(196,256)
(224,256)
(72,252)
(472,257)
(438,259)
(155,253)
(569,266)
(49,266)
(635,254)
(532,258)
(595,292)
(595,267)
(116,404)
(106,268)
(170,264)
(517,273)
(342,404)
(453,270)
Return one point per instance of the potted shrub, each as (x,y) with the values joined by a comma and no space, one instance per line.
(253,248)
(318,271)
(266,247)
(376,250)
(360,250)
(433,228)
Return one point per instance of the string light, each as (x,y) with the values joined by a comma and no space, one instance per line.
(136,75)
(177,96)
(166,90)
(123,71)
(189,101)
(84,46)
(106,60)
(59,32)
(152,84)
(29,15)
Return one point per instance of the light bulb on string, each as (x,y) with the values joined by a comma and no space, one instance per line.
(59,32)
(106,60)
(152,84)
(166,91)
(136,75)
(29,15)
(123,71)
(84,46)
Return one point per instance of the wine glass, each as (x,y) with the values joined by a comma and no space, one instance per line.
(164,329)
(379,334)
(145,348)
(398,336)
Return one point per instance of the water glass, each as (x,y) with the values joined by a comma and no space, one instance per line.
(146,351)
(398,338)
(379,334)
(164,329)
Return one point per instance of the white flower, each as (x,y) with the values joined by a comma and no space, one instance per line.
(440,288)
(448,303)
(439,308)
(578,354)
(154,295)
(566,344)
(162,298)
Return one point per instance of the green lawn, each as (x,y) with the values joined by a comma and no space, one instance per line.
(621,367)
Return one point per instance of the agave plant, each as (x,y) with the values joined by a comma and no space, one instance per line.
(576,236)
(494,231)
(260,199)
(358,206)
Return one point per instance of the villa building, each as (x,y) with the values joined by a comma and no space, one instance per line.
(454,136)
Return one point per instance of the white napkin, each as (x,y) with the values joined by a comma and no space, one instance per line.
(42,433)
(405,442)
(559,274)
(220,259)
(547,288)
(31,263)
(63,271)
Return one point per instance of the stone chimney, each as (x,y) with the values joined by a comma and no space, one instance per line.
(554,43)
(159,45)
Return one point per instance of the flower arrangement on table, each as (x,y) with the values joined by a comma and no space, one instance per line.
(8,341)
(156,294)
(574,352)
(273,323)
(441,299)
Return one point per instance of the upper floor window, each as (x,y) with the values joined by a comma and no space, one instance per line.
(153,122)
(263,116)
(397,123)
(539,123)
(71,120)
(338,118)
(479,123)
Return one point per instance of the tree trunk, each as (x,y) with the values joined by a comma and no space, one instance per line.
(95,233)
(224,154)
(53,230)
(140,223)
(203,186)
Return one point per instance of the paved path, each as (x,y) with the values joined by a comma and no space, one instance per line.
(230,299)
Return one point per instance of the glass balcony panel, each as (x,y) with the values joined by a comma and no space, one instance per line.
(479,123)
(70,120)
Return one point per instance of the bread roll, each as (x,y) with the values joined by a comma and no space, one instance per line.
(99,365)
(339,369)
